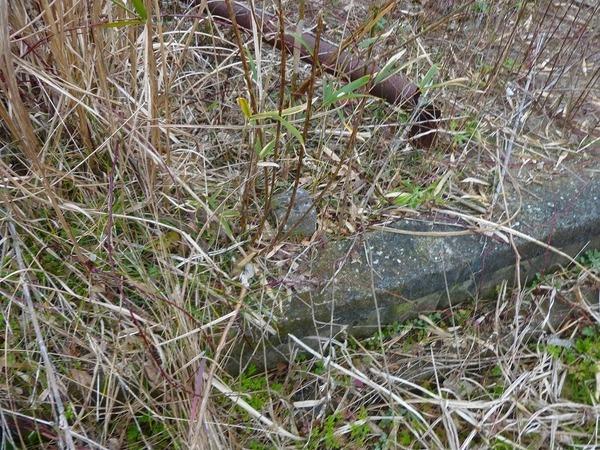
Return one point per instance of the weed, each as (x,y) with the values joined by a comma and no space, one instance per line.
(582,361)
(380,25)
(405,438)
(256,445)
(146,428)
(319,368)
(323,437)
(495,382)
(255,385)
(465,133)
(501,445)
(481,6)
(360,432)
(509,63)
(132,186)
(413,196)
(591,259)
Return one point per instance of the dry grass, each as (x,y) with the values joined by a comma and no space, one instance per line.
(490,375)
(134,193)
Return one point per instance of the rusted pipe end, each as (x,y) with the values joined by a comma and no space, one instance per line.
(424,131)
(397,89)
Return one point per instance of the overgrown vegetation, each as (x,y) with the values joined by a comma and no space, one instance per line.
(140,147)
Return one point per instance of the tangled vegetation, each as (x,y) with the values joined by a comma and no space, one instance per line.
(140,147)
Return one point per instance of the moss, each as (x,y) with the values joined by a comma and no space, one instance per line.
(582,361)
(323,437)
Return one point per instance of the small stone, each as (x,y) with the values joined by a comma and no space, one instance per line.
(114,444)
(303,202)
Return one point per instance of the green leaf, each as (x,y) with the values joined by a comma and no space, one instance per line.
(427,80)
(252,64)
(390,68)
(588,331)
(288,126)
(123,23)
(300,38)
(140,9)
(354,85)
(365,43)
(286,112)
(120,4)
(267,150)
(327,92)
(292,129)
(403,199)
(346,92)
(387,71)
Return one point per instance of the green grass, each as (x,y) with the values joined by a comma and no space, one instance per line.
(582,362)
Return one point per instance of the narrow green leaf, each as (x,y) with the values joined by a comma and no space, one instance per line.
(267,150)
(365,43)
(403,199)
(122,5)
(252,64)
(286,112)
(300,38)
(350,96)
(288,126)
(386,72)
(354,85)
(427,80)
(327,92)
(347,91)
(390,68)
(140,9)
(292,129)
(329,96)
(123,23)
(294,110)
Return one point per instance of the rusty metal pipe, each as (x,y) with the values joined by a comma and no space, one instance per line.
(396,89)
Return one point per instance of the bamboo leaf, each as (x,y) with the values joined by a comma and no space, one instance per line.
(286,112)
(123,23)
(346,92)
(120,4)
(267,150)
(292,129)
(390,68)
(288,126)
(140,9)
(300,38)
(427,80)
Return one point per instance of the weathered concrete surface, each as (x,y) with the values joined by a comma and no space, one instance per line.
(302,220)
(384,277)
